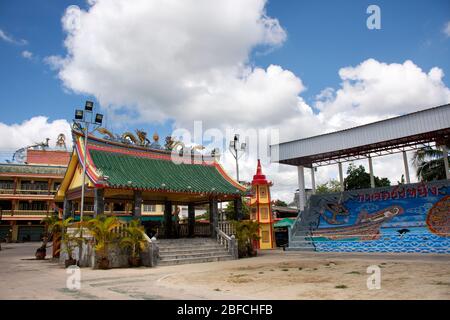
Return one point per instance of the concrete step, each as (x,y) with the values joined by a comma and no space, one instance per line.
(194,260)
(189,250)
(185,248)
(192,255)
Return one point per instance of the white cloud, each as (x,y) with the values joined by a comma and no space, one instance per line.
(446,29)
(189,60)
(10,39)
(32,131)
(27,54)
(374,90)
(160,57)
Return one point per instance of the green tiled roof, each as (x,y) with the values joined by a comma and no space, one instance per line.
(148,173)
(32,169)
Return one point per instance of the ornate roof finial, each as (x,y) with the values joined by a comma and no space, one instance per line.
(156,137)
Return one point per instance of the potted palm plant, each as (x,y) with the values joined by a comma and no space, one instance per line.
(102,229)
(70,240)
(135,241)
(51,223)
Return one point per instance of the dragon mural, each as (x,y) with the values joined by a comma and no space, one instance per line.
(403,218)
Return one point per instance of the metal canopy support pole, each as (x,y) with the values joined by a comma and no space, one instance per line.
(313,181)
(445,153)
(191,219)
(301,188)
(405,163)
(341,176)
(168,219)
(372,178)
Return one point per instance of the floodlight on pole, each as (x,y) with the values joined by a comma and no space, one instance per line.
(237,149)
(89,106)
(98,118)
(83,124)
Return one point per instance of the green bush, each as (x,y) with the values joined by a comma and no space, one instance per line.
(246,232)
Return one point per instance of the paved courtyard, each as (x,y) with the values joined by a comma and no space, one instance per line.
(272,275)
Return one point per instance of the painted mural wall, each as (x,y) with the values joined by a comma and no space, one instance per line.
(404,218)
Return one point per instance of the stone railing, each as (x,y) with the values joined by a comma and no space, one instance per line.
(229,242)
(227,227)
(117,256)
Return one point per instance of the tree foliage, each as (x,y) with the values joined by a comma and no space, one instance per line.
(247,231)
(329,187)
(280,203)
(134,239)
(429,164)
(102,229)
(231,214)
(358,178)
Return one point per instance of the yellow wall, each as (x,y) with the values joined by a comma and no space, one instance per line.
(265,232)
(77,179)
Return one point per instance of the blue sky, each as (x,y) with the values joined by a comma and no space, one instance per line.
(323,36)
(234,70)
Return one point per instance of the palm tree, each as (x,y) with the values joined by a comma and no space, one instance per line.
(102,229)
(429,164)
(135,240)
(247,232)
(50,222)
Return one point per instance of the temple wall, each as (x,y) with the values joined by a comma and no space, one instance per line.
(405,218)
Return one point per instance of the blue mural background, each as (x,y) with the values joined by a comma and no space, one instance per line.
(399,217)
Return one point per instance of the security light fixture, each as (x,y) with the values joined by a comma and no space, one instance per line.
(98,118)
(78,114)
(89,106)
(235,148)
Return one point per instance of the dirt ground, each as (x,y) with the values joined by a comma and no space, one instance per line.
(272,275)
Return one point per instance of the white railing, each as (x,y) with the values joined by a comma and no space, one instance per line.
(228,242)
(227,227)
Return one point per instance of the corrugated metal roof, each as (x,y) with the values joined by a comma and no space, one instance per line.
(414,124)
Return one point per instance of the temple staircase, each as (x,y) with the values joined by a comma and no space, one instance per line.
(191,250)
(299,237)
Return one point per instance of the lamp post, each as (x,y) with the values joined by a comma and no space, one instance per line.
(84,124)
(235,148)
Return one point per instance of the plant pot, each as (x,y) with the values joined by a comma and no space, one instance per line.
(134,261)
(70,262)
(40,253)
(103,263)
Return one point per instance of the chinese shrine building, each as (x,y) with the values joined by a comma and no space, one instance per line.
(132,180)
(27,189)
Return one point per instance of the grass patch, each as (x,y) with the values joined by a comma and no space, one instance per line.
(341,286)
(284,269)
(442,283)
(261,272)
(216,289)
(300,268)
